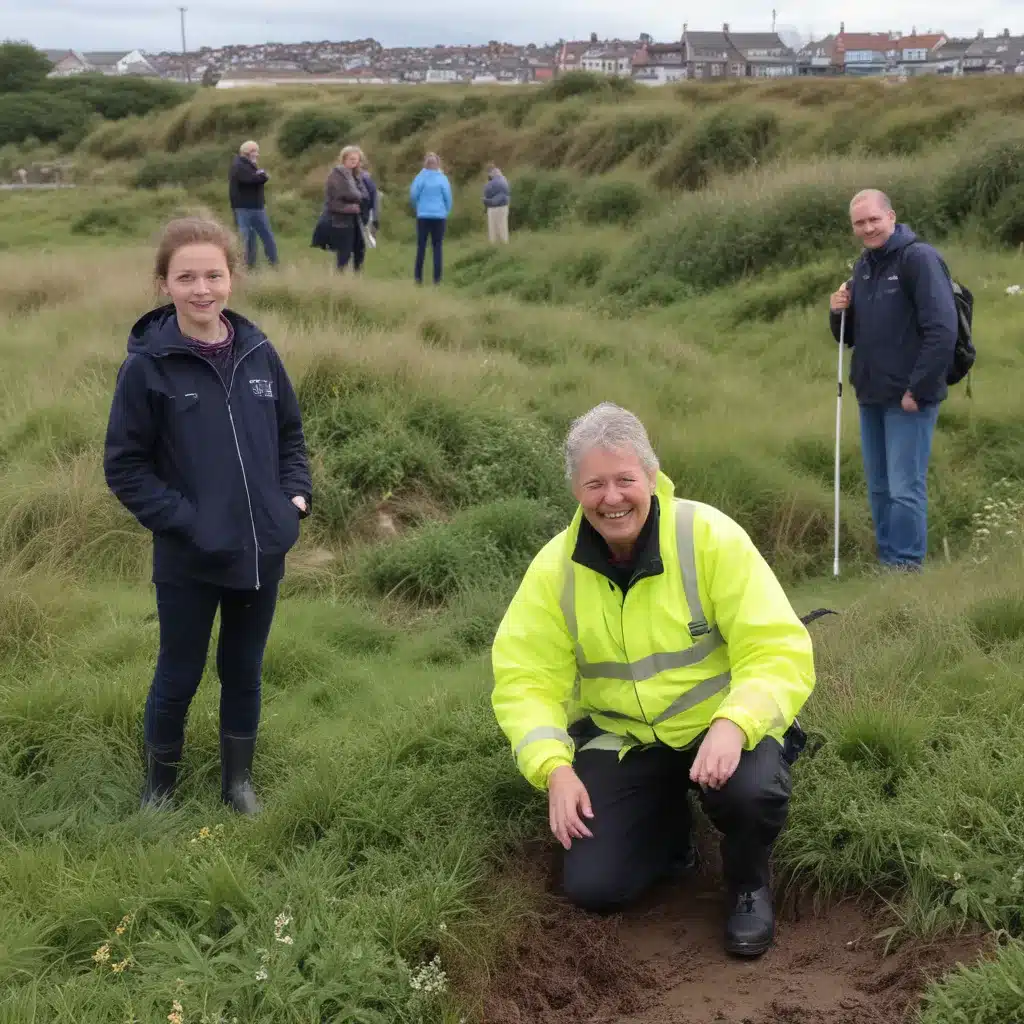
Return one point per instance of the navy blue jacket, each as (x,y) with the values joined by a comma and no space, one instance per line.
(209,470)
(246,183)
(902,322)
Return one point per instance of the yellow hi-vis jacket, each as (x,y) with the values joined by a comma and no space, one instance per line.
(712,635)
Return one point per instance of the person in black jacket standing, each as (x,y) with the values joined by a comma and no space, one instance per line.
(901,321)
(205,447)
(246,183)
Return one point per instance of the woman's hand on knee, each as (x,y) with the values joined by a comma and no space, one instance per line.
(719,754)
(568,804)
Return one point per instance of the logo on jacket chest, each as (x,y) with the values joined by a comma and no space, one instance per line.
(262,388)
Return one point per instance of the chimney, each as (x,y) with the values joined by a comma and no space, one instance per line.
(842,27)
(981,33)
(1006,33)
(725,26)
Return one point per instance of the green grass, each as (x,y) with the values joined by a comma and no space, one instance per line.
(434,419)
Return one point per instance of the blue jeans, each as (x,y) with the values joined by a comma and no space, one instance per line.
(896,447)
(429,229)
(253,223)
(186,613)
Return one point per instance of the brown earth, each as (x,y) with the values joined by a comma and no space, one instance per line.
(663,963)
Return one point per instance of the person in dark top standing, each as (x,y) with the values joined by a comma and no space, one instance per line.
(901,321)
(246,183)
(205,447)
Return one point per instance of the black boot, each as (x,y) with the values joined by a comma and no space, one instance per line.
(235,773)
(750,929)
(161,764)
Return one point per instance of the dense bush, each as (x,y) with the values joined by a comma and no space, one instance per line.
(120,140)
(707,246)
(980,179)
(729,139)
(585,83)
(413,118)
(190,168)
(114,98)
(227,123)
(542,200)
(484,547)
(37,115)
(604,144)
(312,126)
(613,202)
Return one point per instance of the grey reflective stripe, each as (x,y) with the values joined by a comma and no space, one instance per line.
(568,603)
(647,668)
(543,732)
(604,741)
(685,512)
(704,690)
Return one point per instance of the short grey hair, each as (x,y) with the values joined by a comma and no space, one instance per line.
(872,193)
(611,427)
(248,146)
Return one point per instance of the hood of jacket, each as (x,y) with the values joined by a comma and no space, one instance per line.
(157,333)
(901,237)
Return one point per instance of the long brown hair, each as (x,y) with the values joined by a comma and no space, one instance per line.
(193,231)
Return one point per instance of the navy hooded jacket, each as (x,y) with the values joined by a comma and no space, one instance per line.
(902,322)
(209,470)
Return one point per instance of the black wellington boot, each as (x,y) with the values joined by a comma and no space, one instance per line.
(750,928)
(235,773)
(161,764)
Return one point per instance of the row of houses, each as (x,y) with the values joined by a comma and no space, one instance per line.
(697,54)
(729,54)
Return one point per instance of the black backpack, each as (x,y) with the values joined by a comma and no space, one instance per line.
(964,352)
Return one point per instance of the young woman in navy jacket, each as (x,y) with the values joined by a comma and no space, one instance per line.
(205,448)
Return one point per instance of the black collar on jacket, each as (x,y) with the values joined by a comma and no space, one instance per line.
(592,552)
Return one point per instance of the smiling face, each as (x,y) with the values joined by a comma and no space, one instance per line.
(198,282)
(872,223)
(615,491)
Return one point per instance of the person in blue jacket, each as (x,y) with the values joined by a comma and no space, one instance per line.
(205,447)
(431,196)
(901,321)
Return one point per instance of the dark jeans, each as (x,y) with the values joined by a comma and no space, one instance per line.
(348,238)
(253,223)
(186,614)
(429,229)
(642,818)
(896,447)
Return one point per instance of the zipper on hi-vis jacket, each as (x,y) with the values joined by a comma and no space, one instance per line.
(238,448)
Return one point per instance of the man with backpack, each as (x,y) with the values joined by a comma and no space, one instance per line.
(902,321)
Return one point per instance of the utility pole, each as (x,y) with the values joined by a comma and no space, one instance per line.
(773,19)
(184,48)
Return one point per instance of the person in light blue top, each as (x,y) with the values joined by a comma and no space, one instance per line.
(431,195)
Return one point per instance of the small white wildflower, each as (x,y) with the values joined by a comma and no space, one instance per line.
(261,974)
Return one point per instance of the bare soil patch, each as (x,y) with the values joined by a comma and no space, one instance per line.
(663,963)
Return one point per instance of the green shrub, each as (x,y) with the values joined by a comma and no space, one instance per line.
(602,145)
(486,546)
(706,246)
(727,140)
(116,98)
(1005,221)
(471,106)
(127,139)
(613,202)
(37,115)
(542,200)
(312,126)
(225,123)
(413,118)
(189,168)
(980,178)
(586,83)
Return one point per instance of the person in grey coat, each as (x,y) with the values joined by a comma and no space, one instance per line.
(497,196)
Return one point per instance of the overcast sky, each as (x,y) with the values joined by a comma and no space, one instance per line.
(155,25)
